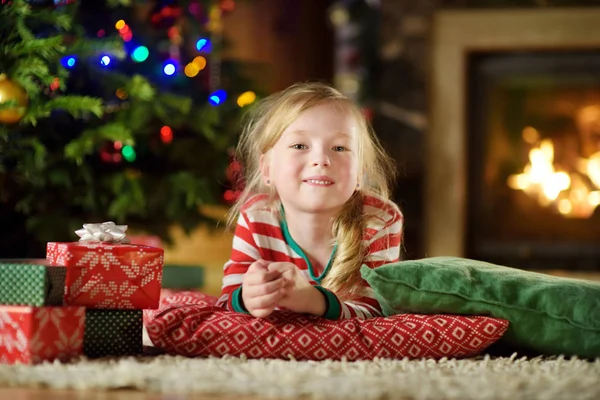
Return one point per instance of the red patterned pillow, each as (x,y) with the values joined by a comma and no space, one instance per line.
(190,324)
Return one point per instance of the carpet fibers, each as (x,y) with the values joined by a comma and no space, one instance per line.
(481,378)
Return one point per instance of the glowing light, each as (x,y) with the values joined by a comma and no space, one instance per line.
(121,94)
(140,54)
(118,145)
(229,195)
(166,134)
(191,70)
(339,16)
(128,153)
(120,24)
(101,33)
(105,60)
(203,45)
(200,62)
(227,5)
(125,29)
(530,135)
(217,97)
(246,98)
(68,61)
(173,32)
(194,8)
(55,84)
(565,207)
(169,69)
(570,194)
(594,198)
(593,168)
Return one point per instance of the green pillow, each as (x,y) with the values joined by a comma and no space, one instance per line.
(547,314)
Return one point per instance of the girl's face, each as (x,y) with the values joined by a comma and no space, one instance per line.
(314,164)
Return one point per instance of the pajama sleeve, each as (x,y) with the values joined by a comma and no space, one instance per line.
(243,253)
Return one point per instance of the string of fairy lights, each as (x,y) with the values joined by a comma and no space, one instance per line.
(204,59)
(171,66)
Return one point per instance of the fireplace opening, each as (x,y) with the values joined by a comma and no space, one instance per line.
(533,145)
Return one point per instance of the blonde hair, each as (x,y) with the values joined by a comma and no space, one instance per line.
(265,124)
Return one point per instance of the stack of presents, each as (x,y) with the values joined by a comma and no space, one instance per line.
(85,299)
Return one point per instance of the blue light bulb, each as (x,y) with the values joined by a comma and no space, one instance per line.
(169,69)
(203,45)
(68,61)
(217,97)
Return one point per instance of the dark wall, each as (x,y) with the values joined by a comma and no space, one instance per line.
(287,40)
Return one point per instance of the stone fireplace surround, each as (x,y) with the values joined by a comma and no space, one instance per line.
(455,34)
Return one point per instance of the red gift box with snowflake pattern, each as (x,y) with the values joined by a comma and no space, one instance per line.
(31,335)
(102,275)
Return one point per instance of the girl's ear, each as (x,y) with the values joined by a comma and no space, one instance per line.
(360,178)
(265,169)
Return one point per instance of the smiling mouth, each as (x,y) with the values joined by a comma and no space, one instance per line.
(318,182)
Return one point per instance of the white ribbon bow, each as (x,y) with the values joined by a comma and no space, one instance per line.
(104,232)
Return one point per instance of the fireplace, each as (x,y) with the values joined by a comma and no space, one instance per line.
(513,155)
(533,164)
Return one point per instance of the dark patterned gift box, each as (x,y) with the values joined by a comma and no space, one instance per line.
(112,333)
(31,284)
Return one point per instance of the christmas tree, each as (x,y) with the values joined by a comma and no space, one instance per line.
(130,119)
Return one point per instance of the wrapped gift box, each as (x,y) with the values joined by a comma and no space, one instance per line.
(112,333)
(183,277)
(30,335)
(31,284)
(115,276)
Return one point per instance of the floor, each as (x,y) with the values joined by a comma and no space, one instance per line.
(46,394)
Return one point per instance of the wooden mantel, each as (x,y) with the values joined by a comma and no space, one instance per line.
(455,34)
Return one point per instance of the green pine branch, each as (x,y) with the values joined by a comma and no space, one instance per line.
(77,106)
(47,48)
(87,47)
(91,139)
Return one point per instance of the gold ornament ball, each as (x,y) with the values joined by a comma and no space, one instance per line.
(9,90)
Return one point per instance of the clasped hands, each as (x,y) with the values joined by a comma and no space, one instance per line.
(267,285)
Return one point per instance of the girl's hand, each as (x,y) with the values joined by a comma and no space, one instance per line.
(262,289)
(299,295)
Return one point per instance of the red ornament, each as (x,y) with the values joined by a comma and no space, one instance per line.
(166,134)
(368,113)
(55,84)
(235,175)
(111,153)
(227,5)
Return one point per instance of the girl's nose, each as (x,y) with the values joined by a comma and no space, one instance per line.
(321,158)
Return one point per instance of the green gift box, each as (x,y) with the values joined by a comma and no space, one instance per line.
(182,277)
(31,283)
(111,332)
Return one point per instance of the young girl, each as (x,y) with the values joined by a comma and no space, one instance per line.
(315,208)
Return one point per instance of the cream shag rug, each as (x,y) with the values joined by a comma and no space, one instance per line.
(482,378)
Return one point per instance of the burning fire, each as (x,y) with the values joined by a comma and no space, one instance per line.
(574,194)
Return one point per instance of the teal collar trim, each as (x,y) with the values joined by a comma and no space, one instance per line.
(292,243)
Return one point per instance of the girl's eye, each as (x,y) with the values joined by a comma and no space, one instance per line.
(339,148)
(299,146)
